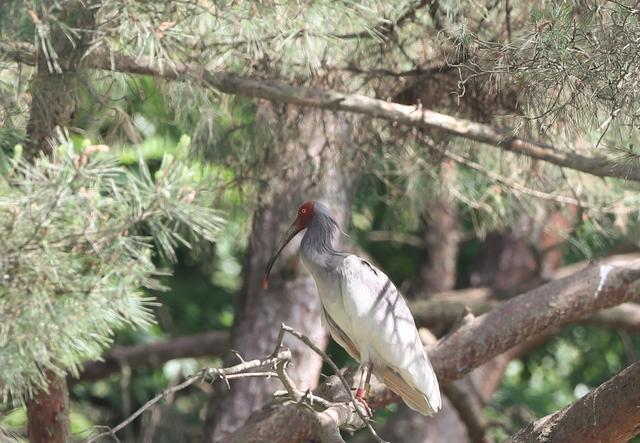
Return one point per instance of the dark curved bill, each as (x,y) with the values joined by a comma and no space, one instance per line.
(291,232)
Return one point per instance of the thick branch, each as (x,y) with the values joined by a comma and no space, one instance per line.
(609,413)
(441,314)
(556,304)
(414,116)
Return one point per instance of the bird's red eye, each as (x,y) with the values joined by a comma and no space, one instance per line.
(303,211)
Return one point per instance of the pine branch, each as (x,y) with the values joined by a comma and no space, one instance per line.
(72,258)
(385,28)
(412,116)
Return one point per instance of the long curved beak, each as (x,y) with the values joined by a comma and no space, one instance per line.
(291,232)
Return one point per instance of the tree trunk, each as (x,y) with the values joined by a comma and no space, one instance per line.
(54,88)
(442,239)
(305,164)
(48,413)
(53,104)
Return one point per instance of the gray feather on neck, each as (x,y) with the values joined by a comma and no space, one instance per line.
(317,243)
(320,233)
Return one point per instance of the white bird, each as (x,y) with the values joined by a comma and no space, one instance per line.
(364,313)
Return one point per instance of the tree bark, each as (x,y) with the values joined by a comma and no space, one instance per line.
(53,104)
(441,238)
(305,164)
(48,412)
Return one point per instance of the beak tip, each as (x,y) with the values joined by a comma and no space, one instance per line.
(265,283)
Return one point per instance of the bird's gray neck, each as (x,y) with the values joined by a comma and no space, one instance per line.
(317,244)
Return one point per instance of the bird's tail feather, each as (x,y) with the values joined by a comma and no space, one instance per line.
(415,399)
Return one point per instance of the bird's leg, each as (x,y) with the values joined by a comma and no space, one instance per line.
(363,387)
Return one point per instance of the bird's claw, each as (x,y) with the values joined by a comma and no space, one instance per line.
(360,401)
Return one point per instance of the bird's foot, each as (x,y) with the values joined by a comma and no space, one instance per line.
(361,401)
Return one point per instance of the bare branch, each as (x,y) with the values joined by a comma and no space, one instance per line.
(556,303)
(112,432)
(340,415)
(327,418)
(237,371)
(414,116)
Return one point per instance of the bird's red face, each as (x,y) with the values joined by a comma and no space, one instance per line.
(305,214)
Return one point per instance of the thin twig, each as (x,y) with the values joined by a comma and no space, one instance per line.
(518,187)
(237,371)
(188,382)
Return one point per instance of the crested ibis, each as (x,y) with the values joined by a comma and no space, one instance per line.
(364,313)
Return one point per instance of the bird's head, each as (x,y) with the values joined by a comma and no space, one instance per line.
(306,212)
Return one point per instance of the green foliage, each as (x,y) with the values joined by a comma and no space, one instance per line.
(569,57)
(553,376)
(77,242)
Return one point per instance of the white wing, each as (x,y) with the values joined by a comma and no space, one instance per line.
(383,330)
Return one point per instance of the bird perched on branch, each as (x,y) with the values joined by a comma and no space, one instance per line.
(364,312)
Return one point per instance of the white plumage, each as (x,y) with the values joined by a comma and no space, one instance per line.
(365,313)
